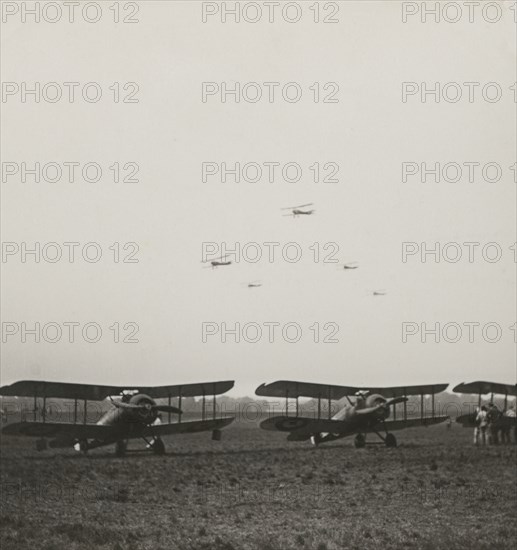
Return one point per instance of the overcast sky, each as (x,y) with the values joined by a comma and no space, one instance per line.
(369,213)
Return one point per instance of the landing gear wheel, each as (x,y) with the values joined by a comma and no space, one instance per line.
(359,441)
(391,440)
(158,447)
(41,444)
(120,448)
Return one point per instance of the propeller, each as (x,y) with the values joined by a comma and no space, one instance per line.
(167,409)
(381,406)
(395,400)
(146,407)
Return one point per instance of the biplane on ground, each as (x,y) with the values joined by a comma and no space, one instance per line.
(367,413)
(480,388)
(135,414)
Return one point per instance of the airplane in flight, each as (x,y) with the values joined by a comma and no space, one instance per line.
(484,388)
(367,413)
(218,262)
(347,265)
(254,284)
(135,414)
(297,210)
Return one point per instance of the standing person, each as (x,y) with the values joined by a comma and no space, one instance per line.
(476,425)
(494,423)
(481,425)
(509,421)
(505,427)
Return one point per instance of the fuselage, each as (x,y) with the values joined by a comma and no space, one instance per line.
(348,412)
(354,421)
(145,414)
(125,420)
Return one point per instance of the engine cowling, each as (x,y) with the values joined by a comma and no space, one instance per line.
(374,401)
(146,412)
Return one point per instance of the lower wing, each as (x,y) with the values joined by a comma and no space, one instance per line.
(68,432)
(302,428)
(392,425)
(467,420)
(64,430)
(186,427)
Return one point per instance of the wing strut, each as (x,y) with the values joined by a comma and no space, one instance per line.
(75,410)
(405,405)
(330,402)
(214,407)
(432,403)
(85,411)
(179,405)
(44,411)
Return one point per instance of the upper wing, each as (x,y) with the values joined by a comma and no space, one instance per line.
(299,206)
(398,391)
(291,388)
(65,390)
(187,390)
(186,427)
(91,392)
(59,429)
(482,387)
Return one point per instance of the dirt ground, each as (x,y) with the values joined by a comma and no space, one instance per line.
(254,490)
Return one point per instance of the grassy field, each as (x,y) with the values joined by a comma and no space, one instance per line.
(254,490)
